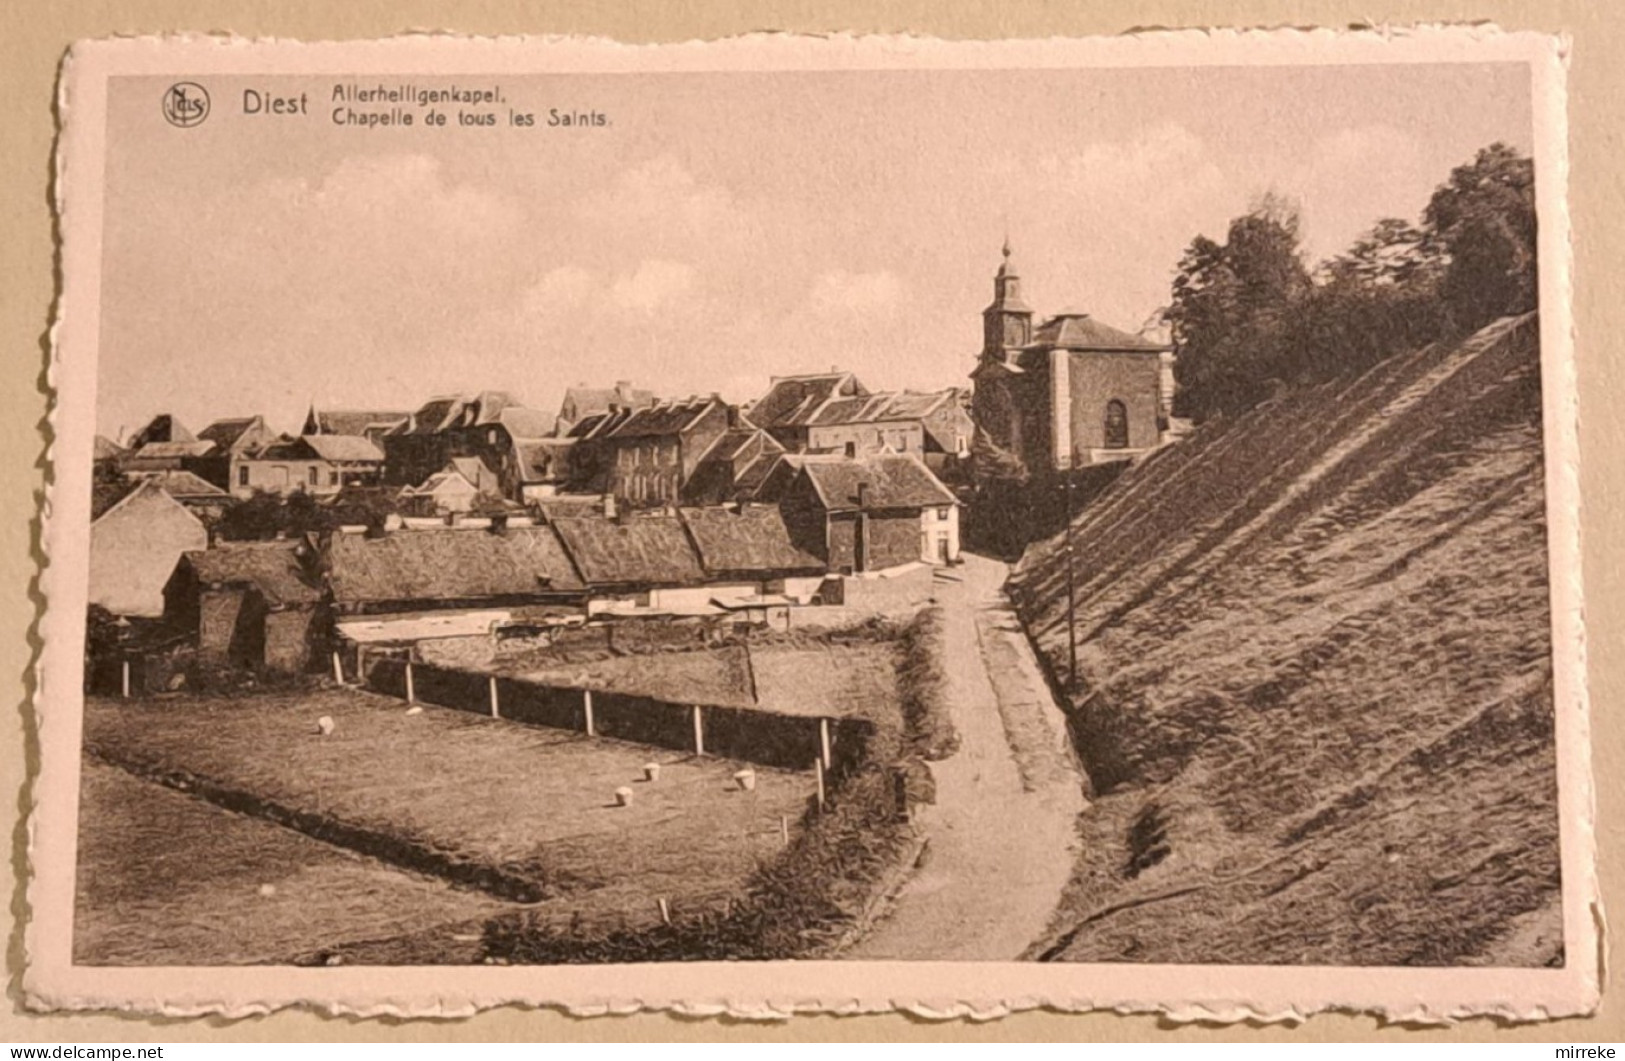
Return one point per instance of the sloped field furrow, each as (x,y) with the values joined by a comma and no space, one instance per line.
(1315,689)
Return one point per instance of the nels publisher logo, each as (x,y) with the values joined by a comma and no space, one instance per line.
(186,104)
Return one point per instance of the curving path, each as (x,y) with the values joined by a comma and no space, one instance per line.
(998,853)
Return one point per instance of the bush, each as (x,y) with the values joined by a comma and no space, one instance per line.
(924,684)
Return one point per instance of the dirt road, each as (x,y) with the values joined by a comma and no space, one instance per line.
(1002,834)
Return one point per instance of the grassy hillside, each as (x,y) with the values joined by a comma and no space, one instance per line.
(1315,679)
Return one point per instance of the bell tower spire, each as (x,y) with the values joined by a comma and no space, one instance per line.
(1007,324)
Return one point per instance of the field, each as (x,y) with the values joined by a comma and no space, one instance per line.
(795,675)
(167,879)
(517,811)
(1316,684)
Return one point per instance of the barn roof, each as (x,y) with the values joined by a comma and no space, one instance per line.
(892,481)
(640,550)
(449,565)
(273,568)
(344,448)
(754,538)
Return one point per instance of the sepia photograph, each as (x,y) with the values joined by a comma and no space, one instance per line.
(658,508)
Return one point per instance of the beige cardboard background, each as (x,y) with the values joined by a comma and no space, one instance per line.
(32,39)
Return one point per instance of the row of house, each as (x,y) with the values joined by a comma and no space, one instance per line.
(621,440)
(274,604)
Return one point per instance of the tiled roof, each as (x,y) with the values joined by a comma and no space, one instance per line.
(171,450)
(344,448)
(892,481)
(527,423)
(462,564)
(1079,331)
(226,433)
(184,486)
(274,568)
(663,419)
(357,421)
(793,400)
(754,539)
(640,550)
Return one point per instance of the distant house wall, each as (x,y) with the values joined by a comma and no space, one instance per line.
(288,636)
(134,548)
(231,625)
(283,477)
(647,469)
(842,535)
(899,436)
(688,597)
(939,534)
(893,540)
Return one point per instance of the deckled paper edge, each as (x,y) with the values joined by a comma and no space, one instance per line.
(43,992)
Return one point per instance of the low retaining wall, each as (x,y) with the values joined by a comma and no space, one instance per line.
(791,742)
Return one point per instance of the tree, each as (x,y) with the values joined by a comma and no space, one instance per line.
(263,516)
(1483,221)
(1231,304)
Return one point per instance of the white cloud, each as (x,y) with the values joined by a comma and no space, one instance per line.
(562,288)
(654,285)
(840,291)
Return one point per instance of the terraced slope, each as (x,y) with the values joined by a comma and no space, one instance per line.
(1315,679)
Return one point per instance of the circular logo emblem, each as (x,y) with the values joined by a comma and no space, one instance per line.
(186,104)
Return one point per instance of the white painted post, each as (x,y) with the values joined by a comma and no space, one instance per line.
(665,911)
(338,669)
(496,711)
(784,828)
(699,731)
(819,767)
(124,678)
(411,693)
(361,664)
(823,742)
(586,703)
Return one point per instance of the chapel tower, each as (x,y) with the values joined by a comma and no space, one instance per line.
(1007,324)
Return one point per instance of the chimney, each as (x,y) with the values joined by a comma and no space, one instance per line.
(623,390)
(835,370)
(733,415)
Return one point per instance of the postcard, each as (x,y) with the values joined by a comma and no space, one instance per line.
(795,524)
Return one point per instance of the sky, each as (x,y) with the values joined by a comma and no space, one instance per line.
(721,228)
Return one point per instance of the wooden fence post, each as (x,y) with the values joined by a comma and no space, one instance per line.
(361,663)
(819,767)
(699,731)
(338,668)
(823,743)
(586,703)
(496,711)
(411,694)
(124,678)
